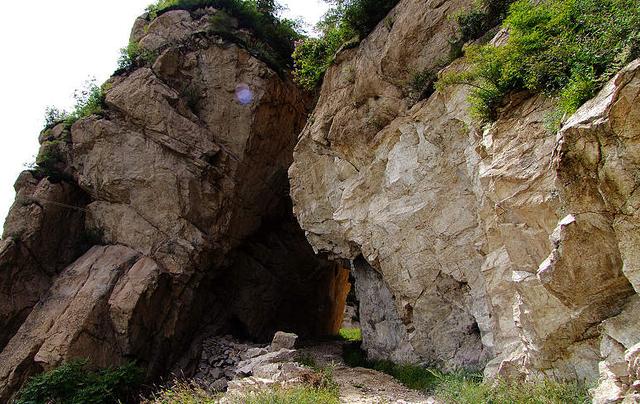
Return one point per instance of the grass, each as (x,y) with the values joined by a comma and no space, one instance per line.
(292,395)
(460,389)
(465,387)
(413,376)
(75,383)
(351,334)
(564,49)
(181,392)
(317,387)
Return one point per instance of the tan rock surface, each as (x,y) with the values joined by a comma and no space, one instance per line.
(503,243)
(185,183)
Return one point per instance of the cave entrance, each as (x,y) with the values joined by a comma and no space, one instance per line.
(274,281)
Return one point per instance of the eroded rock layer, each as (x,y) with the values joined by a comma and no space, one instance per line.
(505,247)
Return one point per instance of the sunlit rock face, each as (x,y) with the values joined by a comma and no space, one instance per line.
(505,247)
(168,210)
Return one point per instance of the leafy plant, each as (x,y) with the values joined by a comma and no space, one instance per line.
(74,383)
(181,392)
(134,55)
(421,85)
(53,116)
(89,100)
(259,16)
(477,22)
(346,22)
(565,49)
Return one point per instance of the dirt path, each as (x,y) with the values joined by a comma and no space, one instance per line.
(360,385)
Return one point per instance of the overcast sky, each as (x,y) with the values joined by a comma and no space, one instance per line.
(49,48)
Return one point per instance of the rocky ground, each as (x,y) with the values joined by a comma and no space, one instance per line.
(238,368)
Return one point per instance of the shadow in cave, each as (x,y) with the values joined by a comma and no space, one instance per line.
(275,282)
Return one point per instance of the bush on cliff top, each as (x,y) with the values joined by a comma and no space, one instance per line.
(74,383)
(259,16)
(347,21)
(89,100)
(565,49)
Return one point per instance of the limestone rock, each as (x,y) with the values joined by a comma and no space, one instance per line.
(183,181)
(283,340)
(504,244)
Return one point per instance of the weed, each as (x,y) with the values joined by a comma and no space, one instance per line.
(133,55)
(181,392)
(342,27)
(260,17)
(351,334)
(565,49)
(74,383)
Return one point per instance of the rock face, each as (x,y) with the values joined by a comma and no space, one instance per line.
(506,247)
(169,215)
(180,185)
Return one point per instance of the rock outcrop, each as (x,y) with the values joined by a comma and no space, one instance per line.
(166,213)
(506,247)
(168,216)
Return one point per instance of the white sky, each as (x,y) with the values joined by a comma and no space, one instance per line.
(48,50)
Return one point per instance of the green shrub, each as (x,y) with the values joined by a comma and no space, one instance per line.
(74,383)
(421,85)
(89,100)
(133,55)
(565,49)
(258,16)
(53,116)
(346,22)
(477,22)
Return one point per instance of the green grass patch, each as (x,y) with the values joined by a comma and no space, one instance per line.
(181,392)
(413,376)
(459,388)
(565,49)
(75,383)
(293,395)
(464,387)
(351,334)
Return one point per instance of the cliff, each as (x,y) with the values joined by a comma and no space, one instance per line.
(506,248)
(169,213)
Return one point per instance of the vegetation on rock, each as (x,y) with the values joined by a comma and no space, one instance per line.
(461,388)
(74,383)
(351,334)
(347,22)
(261,17)
(565,49)
(465,387)
(89,100)
(133,55)
(181,393)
